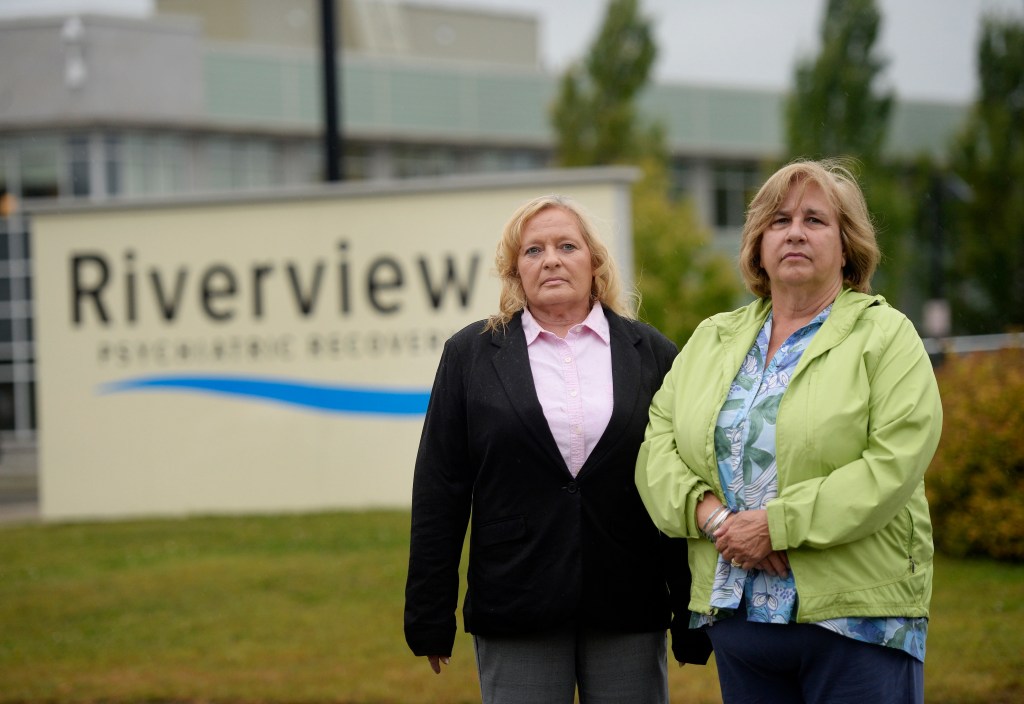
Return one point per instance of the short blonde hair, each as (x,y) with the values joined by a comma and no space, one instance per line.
(606,286)
(856,232)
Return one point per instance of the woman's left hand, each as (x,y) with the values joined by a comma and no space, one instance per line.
(744,540)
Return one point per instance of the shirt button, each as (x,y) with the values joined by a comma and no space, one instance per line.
(573,393)
(568,359)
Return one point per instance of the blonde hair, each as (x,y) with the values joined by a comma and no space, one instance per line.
(856,232)
(605,287)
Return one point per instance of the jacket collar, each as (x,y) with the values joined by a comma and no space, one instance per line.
(846,311)
(512,364)
(742,325)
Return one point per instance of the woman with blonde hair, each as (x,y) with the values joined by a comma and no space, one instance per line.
(530,437)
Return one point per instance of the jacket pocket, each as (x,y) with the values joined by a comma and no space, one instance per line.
(504,531)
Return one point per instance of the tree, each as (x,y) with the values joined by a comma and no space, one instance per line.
(988,249)
(595,115)
(838,109)
(680,279)
(834,109)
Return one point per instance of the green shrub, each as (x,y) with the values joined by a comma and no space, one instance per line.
(976,481)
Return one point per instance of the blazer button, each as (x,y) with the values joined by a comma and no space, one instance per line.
(572,487)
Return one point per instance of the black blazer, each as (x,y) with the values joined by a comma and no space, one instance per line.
(545,549)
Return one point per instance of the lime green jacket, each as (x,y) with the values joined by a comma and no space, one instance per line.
(856,430)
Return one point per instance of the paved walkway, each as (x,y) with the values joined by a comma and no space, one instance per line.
(19,512)
(19,486)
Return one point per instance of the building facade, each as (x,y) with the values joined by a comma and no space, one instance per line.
(225,97)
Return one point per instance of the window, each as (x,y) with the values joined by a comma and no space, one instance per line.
(16,331)
(7,415)
(412,161)
(238,163)
(509,160)
(78,156)
(38,164)
(153,164)
(735,186)
(112,164)
(680,175)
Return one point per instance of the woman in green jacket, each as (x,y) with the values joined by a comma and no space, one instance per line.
(789,443)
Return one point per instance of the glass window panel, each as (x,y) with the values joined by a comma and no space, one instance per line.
(19,286)
(722,216)
(133,166)
(113,166)
(258,164)
(39,158)
(171,152)
(218,153)
(307,167)
(78,151)
(7,406)
(734,186)
(679,176)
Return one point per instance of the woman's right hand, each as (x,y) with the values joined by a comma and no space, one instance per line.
(435,662)
(776,563)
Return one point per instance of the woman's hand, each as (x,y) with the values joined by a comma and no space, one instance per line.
(745,542)
(435,662)
(776,564)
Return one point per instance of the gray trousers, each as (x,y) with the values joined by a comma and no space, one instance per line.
(608,668)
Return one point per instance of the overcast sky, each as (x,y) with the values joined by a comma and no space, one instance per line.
(930,44)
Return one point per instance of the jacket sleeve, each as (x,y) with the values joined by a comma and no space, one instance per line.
(688,645)
(859,498)
(669,489)
(441,498)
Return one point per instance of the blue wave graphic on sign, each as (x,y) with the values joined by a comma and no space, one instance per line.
(320,397)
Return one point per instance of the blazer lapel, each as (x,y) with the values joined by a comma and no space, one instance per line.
(626,375)
(512,365)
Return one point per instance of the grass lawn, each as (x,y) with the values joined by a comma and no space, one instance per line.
(308,608)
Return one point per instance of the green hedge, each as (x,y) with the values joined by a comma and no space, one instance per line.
(976,481)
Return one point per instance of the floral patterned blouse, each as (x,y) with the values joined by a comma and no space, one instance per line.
(745,449)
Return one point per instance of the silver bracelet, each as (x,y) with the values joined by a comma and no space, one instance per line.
(714,513)
(720,519)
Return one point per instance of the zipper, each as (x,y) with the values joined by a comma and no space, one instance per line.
(910,543)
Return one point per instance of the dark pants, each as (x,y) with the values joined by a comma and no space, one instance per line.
(764,663)
(608,668)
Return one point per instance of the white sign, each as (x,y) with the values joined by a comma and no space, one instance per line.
(264,354)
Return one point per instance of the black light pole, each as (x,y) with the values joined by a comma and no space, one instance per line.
(937,251)
(333,152)
(945,188)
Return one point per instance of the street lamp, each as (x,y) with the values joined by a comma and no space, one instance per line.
(937,317)
(333,152)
